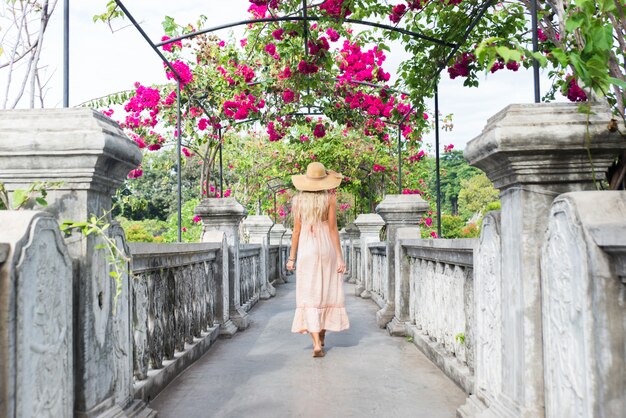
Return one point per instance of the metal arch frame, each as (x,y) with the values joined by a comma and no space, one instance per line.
(303,18)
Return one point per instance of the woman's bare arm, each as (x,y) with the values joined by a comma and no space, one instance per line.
(334,233)
(295,238)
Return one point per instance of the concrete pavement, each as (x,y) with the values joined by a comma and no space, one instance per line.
(266,371)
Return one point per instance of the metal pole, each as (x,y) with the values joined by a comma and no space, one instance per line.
(533,13)
(66,53)
(399,161)
(275,219)
(179,135)
(437,159)
(221,165)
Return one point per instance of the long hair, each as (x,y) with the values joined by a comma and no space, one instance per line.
(311,207)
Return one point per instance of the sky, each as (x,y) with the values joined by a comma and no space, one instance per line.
(103,61)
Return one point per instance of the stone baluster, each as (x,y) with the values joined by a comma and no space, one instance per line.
(532,153)
(91,156)
(221,217)
(276,234)
(258,227)
(369,226)
(398,211)
(354,236)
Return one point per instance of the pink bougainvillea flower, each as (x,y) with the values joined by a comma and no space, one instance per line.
(397,12)
(448,148)
(278,34)
(184,229)
(288,96)
(154,147)
(574,92)
(231,166)
(187,152)
(333,35)
(434,234)
(335,8)
(270,49)
(319,131)
(186,76)
(203,123)
(196,219)
(169,47)
(227,193)
(286,73)
(138,172)
(244,42)
(428,222)
(462,65)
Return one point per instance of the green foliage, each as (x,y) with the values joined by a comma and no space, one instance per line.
(115,256)
(476,194)
(149,230)
(191,230)
(493,206)
(454,170)
(27,198)
(451,226)
(460,338)
(154,195)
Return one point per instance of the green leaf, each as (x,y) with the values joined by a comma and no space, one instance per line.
(561,57)
(114,274)
(573,23)
(41,201)
(617,82)
(19,198)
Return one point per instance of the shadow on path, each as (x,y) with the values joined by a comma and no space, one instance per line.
(267,371)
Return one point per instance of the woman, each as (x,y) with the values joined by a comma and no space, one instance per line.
(319,285)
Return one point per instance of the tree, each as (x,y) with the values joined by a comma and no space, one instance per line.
(24,23)
(476,195)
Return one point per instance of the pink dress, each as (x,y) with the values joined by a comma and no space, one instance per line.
(319,288)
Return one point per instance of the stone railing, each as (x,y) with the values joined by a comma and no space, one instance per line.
(177,293)
(251,279)
(274,267)
(377,271)
(440,302)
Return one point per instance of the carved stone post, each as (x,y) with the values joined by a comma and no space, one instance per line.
(276,238)
(91,155)
(533,153)
(36,377)
(224,215)
(398,210)
(258,227)
(354,236)
(369,225)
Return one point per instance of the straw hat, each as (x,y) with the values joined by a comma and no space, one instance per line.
(317,178)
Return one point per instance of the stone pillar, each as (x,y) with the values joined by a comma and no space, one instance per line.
(258,227)
(354,236)
(90,154)
(398,211)
(369,226)
(276,234)
(224,215)
(533,153)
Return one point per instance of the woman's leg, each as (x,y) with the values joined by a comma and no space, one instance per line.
(322,337)
(317,345)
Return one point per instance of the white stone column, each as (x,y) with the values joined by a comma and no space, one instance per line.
(369,226)
(276,234)
(398,211)
(354,236)
(90,154)
(224,215)
(258,227)
(533,153)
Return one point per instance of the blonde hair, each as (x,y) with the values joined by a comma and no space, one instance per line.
(311,207)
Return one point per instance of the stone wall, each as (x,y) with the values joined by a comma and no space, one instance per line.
(440,302)
(176,292)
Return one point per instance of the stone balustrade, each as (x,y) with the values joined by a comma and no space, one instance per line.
(357,271)
(377,270)
(176,292)
(440,303)
(251,276)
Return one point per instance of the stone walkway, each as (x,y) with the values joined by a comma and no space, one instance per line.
(266,371)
